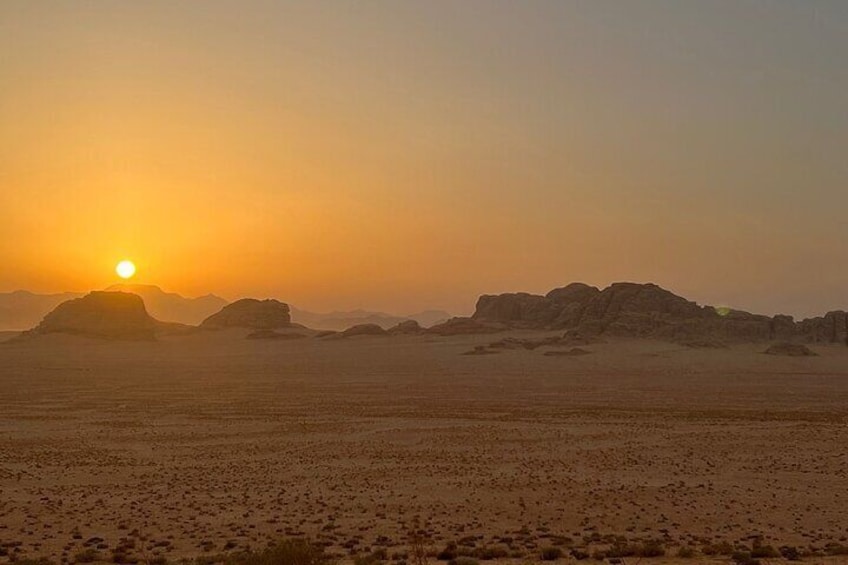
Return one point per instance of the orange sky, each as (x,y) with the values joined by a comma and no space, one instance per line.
(402,157)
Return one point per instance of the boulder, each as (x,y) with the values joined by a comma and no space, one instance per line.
(252,314)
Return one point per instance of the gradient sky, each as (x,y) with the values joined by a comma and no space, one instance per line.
(401,156)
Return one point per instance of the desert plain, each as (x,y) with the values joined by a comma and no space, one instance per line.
(208,443)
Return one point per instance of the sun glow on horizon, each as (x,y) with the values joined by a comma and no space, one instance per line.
(125,269)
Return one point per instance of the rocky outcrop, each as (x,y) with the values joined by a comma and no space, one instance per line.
(518,309)
(640,311)
(106,315)
(831,328)
(251,314)
(409,327)
(363,329)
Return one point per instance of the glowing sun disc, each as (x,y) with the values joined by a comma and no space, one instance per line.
(125,269)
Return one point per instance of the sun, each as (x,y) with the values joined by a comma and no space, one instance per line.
(125,269)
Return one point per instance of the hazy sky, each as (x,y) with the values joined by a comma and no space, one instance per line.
(400,155)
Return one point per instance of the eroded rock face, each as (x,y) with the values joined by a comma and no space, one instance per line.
(252,314)
(831,328)
(107,315)
(518,309)
(644,311)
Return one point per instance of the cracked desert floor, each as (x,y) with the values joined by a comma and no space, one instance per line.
(210,442)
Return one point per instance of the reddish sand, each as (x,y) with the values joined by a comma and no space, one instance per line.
(192,442)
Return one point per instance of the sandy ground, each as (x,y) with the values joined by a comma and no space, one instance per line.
(196,444)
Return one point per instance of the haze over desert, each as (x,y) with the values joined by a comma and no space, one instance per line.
(473,282)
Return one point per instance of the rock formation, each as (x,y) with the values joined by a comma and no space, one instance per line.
(251,314)
(409,327)
(831,328)
(109,315)
(639,311)
(363,329)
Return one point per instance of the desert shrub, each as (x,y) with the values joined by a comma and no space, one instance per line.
(686,552)
(836,549)
(463,561)
(720,548)
(743,558)
(579,554)
(650,548)
(87,556)
(551,553)
(764,552)
(288,552)
(489,553)
(448,553)
(790,553)
(618,550)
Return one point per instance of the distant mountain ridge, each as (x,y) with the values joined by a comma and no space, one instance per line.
(342,320)
(622,309)
(172,307)
(21,310)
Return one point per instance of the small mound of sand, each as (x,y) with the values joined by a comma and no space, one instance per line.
(790,350)
(573,352)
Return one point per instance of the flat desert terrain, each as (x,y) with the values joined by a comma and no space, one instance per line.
(209,443)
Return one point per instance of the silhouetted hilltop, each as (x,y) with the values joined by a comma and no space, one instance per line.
(340,321)
(252,314)
(638,310)
(109,315)
(172,307)
(21,309)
